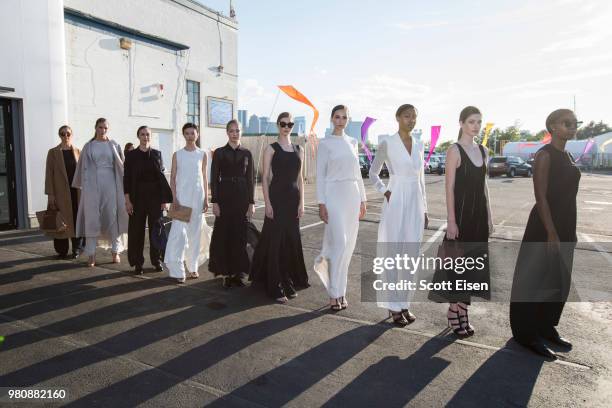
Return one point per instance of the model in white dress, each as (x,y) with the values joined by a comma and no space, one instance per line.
(188,242)
(340,188)
(402,220)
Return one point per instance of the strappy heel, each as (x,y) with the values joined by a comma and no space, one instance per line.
(464,320)
(336,306)
(454,324)
(343,302)
(398,318)
(408,315)
(91,261)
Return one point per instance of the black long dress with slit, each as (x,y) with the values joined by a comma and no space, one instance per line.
(278,263)
(472,220)
(542,278)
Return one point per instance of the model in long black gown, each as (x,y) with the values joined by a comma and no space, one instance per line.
(540,275)
(278,263)
(472,220)
(232,183)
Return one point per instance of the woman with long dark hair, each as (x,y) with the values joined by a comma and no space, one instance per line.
(342,203)
(278,263)
(102,218)
(469,221)
(542,276)
(146,195)
(61,166)
(232,184)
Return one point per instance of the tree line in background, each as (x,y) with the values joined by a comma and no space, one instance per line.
(515,134)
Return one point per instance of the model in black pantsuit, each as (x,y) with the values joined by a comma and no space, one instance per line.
(146,191)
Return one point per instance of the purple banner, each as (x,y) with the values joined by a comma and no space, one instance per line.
(364,132)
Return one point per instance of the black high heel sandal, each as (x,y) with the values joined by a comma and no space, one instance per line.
(464,320)
(453,323)
(398,318)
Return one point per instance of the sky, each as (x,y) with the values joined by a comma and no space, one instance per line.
(515,60)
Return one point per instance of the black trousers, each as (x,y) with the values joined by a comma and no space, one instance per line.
(532,320)
(61,245)
(147,210)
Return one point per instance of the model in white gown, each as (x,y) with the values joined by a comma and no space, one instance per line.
(188,242)
(340,188)
(402,218)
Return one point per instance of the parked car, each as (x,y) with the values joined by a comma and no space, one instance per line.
(441,169)
(365,167)
(510,166)
(432,165)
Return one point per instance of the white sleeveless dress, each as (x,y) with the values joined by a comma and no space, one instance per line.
(188,242)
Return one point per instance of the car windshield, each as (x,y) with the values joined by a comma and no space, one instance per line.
(498,160)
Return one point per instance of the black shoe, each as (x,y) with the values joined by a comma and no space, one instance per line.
(158,268)
(74,255)
(61,256)
(540,348)
(556,339)
(238,281)
(138,270)
(227,282)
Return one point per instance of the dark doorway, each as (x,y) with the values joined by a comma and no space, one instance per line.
(8,192)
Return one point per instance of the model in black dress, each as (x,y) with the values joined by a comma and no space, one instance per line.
(278,263)
(542,276)
(469,219)
(232,183)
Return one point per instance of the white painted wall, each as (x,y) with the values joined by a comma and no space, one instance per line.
(73,74)
(33,62)
(106,81)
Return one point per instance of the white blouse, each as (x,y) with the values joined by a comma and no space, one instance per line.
(338,160)
(399,163)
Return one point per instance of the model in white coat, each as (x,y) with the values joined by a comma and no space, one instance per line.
(404,210)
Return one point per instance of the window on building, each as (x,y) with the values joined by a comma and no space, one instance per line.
(193,102)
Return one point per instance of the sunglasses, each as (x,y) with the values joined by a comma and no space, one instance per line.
(64,134)
(572,123)
(286,124)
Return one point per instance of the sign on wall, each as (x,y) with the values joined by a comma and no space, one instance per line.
(220,111)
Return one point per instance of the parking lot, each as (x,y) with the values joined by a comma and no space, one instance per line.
(111,338)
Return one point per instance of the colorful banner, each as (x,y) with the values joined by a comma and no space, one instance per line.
(298,96)
(364,132)
(587,148)
(488,128)
(435,133)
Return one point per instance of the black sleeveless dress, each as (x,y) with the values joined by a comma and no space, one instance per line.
(472,221)
(542,280)
(278,262)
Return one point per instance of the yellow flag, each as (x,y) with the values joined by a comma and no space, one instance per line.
(488,128)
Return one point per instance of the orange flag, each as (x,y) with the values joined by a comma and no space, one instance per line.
(298,96)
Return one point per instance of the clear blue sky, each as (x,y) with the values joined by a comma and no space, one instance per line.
(515,60)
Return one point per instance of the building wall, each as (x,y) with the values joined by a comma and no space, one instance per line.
(122,85)
(33,63)
(67,72)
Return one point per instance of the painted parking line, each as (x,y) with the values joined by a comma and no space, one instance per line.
(598,202)
(433,238)
(601,250)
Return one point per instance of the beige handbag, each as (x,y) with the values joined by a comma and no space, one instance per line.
(179,212)
(51,220)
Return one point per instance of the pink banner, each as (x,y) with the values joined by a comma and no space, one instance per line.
(587,148)
(364,132)
(435,133)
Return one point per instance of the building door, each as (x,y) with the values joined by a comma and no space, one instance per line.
(8,195)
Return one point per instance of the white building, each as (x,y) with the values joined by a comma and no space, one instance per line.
(600,154)
(137,62)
